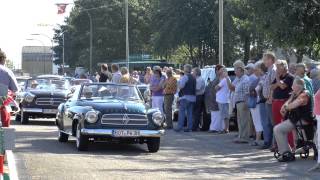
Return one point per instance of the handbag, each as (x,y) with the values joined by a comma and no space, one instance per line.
(252,101)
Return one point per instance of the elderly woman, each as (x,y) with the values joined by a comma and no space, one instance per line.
(298,107)
(281,88)
(211,103)
(156,86)
(125,78)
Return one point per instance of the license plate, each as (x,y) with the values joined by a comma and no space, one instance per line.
(50,111)
(125,133)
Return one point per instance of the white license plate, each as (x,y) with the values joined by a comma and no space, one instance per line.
(125,133)
(50,111)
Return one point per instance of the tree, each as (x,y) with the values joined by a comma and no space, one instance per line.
(9,64)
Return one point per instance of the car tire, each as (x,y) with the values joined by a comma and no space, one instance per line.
(24,117)
(18,117)
(82,142)
(63,137)
(153,144)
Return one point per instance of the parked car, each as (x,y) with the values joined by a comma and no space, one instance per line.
(111,112)
(41,97)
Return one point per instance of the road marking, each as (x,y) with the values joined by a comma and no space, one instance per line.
(12,165)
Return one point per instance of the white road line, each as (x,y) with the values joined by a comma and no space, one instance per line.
(12,165)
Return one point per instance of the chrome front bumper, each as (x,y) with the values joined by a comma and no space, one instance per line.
(40,110)
(108,132)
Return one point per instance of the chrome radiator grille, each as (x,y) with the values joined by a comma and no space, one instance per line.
(49,101)
(124,119)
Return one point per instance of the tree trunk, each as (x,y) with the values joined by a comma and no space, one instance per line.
(246,49)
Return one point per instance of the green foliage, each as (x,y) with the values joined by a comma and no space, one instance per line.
(186,31)
(9,64)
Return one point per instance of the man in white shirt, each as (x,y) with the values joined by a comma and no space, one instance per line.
(199,105)
(222,98)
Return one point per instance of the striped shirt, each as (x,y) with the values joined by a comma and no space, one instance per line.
(270,77)
(241,91)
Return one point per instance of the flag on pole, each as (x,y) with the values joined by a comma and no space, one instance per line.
(61,8)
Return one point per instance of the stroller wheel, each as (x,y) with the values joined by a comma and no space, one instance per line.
(305,155)
(276,154)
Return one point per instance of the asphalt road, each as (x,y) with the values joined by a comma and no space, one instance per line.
(182,155)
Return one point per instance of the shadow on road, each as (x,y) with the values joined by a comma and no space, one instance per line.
(36,122)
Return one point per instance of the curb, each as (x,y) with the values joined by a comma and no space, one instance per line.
(13,174)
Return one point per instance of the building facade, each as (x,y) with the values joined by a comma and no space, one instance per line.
(37,60)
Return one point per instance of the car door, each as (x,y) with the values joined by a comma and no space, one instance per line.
(68,113)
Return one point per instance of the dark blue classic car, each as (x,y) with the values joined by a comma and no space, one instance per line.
(41,97)
(111,112)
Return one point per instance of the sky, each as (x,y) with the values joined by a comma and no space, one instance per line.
(21,18)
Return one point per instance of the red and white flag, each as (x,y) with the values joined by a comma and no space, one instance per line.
(61,8)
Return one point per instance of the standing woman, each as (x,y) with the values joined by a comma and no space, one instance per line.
(125,76)
(211,103)
(222,98)
(156,87)
(148,75)
(255,91)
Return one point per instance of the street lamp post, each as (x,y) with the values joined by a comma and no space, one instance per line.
(44,52)
(63,54)
(127,34)
(221,32)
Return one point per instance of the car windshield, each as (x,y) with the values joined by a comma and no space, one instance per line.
(109,91)
(47,84)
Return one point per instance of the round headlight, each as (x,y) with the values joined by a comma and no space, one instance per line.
(157,118)
(29,97)
(92,116)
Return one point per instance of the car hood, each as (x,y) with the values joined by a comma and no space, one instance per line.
(115,106)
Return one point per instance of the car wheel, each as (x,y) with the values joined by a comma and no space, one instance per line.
(18,117)
(82,141)
(24,117)
(63,137)
(153,144)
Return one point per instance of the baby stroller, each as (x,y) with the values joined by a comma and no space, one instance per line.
(305,135)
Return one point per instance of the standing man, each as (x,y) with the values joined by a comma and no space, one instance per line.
(170,88)
(187,95)
(240,86)
(8,80)
(116,74)
(105,75)
(269,60)
(199,105)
